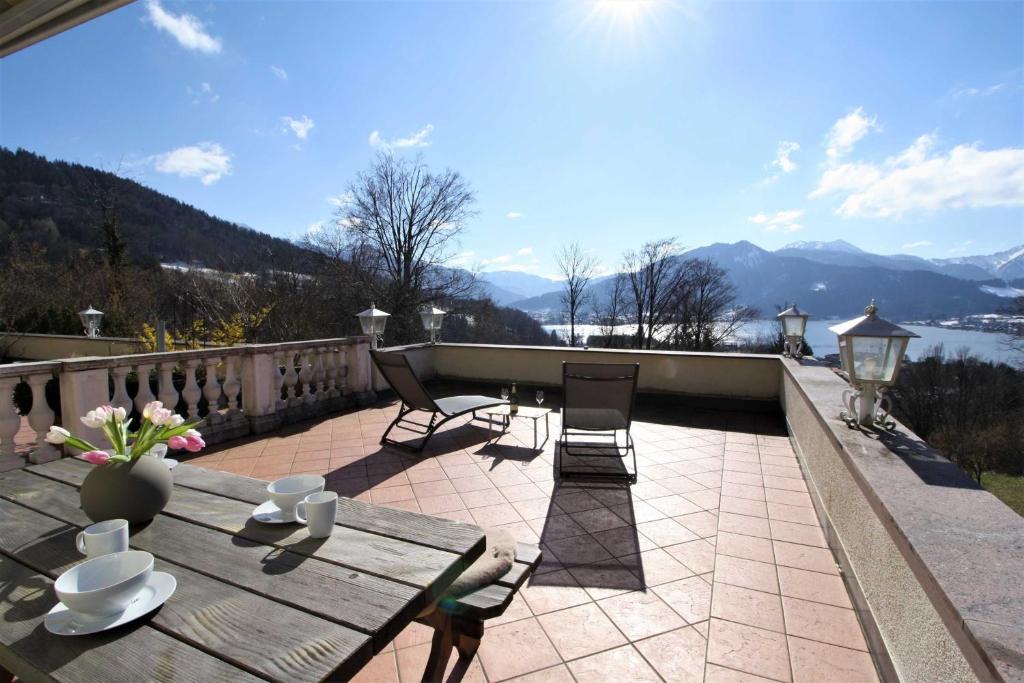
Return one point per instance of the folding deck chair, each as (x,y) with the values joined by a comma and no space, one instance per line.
(597,402)
(399,374)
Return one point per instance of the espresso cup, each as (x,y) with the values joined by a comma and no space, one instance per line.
(318,512)
(291,490)
(103,538)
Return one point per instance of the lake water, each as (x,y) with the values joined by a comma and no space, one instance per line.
(986,345)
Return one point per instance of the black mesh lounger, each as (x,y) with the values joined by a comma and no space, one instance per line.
(403,380)
(597,403)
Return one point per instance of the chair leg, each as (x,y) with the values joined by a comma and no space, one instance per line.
(440,648)
(468,634)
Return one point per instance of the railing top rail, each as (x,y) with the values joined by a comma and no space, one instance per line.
(32,368)
(94,362)
(595,349)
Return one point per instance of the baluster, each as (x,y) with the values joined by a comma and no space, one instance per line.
(145,393)
(191,393)
(232,385)
(332,372)
(121,399)
(321,374)
(167,393)
(10,421)
(277,381)
(343,370)
(291,378)
(211,389)
(306,377)
(40,418)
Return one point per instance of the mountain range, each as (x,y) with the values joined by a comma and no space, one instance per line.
(833,279)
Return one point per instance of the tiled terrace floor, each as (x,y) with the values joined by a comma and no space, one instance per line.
(712,567)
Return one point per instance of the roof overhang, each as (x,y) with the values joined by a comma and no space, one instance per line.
(26,22)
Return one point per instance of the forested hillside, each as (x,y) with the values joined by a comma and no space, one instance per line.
(59,205)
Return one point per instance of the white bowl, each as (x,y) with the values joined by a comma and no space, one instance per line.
(105,585)
(287,492)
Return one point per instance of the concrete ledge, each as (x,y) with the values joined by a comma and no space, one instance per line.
(938,560)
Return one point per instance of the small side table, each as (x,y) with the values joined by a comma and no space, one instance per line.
(505,419)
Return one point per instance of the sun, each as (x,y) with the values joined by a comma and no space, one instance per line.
(624,12)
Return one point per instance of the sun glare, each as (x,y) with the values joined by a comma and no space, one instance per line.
(624,12)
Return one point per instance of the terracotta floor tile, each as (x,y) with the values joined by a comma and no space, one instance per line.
(702,523)
(690,598)
(392,493)
(786,483)
(522,492)
(412,661)
(641,614)
(458,516)
(743,524)
(797,533)
(708,500)
(792,513)
(805,557)
(737,571)
(824,623)
(575,500)
(666,532)
(438,504)
(735,477)
(556,674)
(698,556)
(381,669)
(814,586)
(788,497)
(477,483)
(646,490)
(517,648)
(518,609)
(624,540)
(746,606)
(556,527)
(551,591)
(482,498)
(411,505)
(636,512)
(749,649)
(775,471)
(493,515)
(582,549)
(620,664)
(719,674)
(743,491)
(605,579)
(681,484)
(743,506)
(462,470)
(673,505)
(418,476)
(655,567)
(815,662)
(598,519)
(580,631)
(677,655)
(440,487)
(748,547)
(535,508)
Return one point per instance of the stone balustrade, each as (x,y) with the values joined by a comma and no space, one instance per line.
(237,390)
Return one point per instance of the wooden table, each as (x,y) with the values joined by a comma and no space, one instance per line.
(253,601)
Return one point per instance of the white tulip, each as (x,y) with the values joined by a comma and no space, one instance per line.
(120,414)
(57,435)
(93,420)
(175,421)
(193,433)
(152,406)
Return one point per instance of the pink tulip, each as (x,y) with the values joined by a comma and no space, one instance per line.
(95,457)
(194,444)
(177,443)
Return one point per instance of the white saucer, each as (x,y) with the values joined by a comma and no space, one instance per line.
(269,513)
(64,622)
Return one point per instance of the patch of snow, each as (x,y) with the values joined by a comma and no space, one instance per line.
(1006,292)
(819,287)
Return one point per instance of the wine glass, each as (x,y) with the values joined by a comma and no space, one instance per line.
(504,393)
(540,397)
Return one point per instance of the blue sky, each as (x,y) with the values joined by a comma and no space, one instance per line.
(897,126)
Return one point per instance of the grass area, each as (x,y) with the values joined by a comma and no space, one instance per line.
(1007,488)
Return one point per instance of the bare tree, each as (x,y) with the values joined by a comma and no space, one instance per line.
(704,312)
(577,267)
(610,312)
(653,273)
(395,235)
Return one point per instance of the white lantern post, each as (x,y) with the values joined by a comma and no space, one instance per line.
(794,326)
(871,351)
(432,318)
(373,321)
(91,318)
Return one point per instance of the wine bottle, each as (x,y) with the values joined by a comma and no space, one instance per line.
(513,401)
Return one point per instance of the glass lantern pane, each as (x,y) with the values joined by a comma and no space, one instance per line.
(875,358)
(794,326)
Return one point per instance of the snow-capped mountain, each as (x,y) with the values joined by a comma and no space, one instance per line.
(1007,265)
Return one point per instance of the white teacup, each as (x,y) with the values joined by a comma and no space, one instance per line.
(288,492)
(105,585)
(318,512)
(158,451)
(103,538)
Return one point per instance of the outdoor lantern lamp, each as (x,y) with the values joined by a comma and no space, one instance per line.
(432,318)
(871,351)
(91,321)
(373,320)
(794,324)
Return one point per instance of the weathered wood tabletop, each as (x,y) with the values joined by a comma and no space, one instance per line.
(253,601)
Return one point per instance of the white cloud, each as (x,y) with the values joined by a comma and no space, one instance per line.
(919,180)
(780,220)
(279,72)
(417,139)
(513,215)
(341,200)
(504,258)
(520,267)
(315,227)
(207,161)
(917,245)
(980,92)
(847,131)
(204,91)
(525,251)
(186,28)
(300,126)
(461,260)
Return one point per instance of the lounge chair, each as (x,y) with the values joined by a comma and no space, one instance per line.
(399,374)
(597,403)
